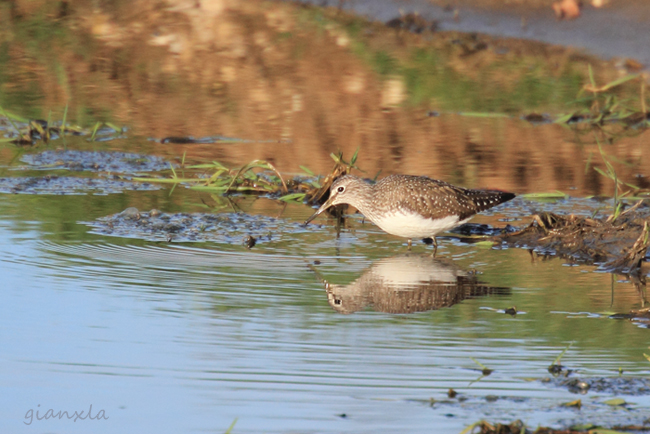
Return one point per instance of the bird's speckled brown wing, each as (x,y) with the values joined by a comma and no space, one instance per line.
(434,199)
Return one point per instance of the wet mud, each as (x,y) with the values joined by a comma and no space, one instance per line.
(96,161)
(63,185)
(577,416)
(483,230)
(189,140)
(640,317)
(154,225)
(602,406)
(519,427)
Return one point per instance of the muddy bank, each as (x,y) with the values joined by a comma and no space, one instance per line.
(230,228)
(61,185)
(619,29)
(617,243)
(95,161)
(600,408)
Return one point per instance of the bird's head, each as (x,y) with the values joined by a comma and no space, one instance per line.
(347,189)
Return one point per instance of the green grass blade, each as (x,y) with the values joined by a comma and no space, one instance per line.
(547,195)
(484,115)
(230,428)
(169,180)
(564,118)
(602,172)
(13,116)
(204,166)
(65,117)
(589,157)
(306,170)
(354,157)
(298,197)
(171,166)
(559,358)
(11,120)
(618,82)
(114,127)
(470,428)
(479,363)
(222,189)
(95,129)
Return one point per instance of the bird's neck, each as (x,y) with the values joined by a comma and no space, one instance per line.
(363,200)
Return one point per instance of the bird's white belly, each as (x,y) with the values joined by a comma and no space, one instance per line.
(416,226)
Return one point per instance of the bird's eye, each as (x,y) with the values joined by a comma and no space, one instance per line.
(341,189)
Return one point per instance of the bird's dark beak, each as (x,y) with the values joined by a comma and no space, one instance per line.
(321,209)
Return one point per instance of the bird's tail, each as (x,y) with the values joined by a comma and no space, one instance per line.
(486,199)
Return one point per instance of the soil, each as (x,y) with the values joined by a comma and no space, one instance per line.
(617,244)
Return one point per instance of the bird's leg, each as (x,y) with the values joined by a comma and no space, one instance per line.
(409,245)
(435,247)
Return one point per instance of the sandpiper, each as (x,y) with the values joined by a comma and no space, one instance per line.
(412,206)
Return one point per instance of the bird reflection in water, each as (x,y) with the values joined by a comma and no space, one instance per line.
(407,284)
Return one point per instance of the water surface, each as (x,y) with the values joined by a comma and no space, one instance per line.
(187,336)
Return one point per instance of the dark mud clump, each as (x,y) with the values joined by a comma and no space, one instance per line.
(189,140)
(618,243)
(155,225)
(62,185)
(633,386)
(641,317)
(412,22)
(481,229)
(95,161)
(519,427)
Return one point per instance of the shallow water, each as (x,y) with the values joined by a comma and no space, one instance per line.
(188,337)
(308,330)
